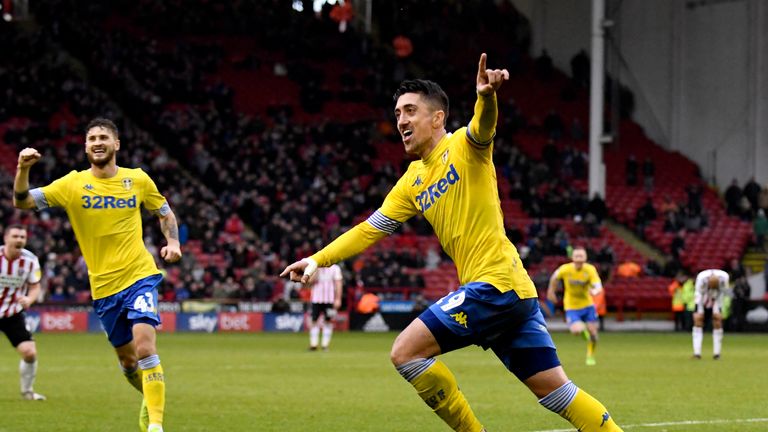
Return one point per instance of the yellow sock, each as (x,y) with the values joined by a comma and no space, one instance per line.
(584,412)
(437,386)
(591,344)
(154,388)
(587,414)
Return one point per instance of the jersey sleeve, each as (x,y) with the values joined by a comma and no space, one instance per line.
(35,275)
(700,281)
(56,194)
(153,200)
(725,280)
(351,243)
(395,210)
(558,274)
(482,127)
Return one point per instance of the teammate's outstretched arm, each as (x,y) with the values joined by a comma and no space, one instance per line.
(21,197)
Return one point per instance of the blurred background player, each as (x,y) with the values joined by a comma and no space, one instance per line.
(103,204)
(454,185)
(710,290)
(580,283)
(19,288)
(677,294)
(325,301)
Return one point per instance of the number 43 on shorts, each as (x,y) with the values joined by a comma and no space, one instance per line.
(145,303)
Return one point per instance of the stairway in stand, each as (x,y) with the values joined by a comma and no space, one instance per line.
(754,260)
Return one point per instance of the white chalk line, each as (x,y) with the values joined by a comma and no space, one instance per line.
(675,423)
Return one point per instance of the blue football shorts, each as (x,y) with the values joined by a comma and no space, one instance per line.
(479,314)
(135,304)
(587,314)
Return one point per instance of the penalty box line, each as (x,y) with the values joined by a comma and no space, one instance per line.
(676,423)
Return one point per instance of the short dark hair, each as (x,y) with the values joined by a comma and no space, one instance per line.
(15,226)
(429,89)
(103,123)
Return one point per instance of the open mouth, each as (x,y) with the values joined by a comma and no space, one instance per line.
(407,135)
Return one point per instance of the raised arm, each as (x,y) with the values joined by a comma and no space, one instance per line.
(482,127)
(170,229)
(21,197)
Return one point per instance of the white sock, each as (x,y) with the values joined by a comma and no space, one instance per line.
(314,335)
(27,371)
(717,341)
(698,336)
(327,333)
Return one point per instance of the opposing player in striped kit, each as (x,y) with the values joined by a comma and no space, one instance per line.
(325,301)
(19,288)
(710,289)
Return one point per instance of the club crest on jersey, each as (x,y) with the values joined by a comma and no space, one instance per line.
(606,416)
(127,183)
(445,157)
(437,189)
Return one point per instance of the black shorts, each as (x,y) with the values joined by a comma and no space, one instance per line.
(15,328)
(326,309)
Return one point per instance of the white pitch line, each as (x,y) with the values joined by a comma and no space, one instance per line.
(677,423)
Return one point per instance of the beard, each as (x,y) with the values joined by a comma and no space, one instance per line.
(109,156)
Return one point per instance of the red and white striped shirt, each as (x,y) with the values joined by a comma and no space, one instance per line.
(324,288)
(15,276)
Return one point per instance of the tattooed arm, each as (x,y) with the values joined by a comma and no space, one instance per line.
(172,251)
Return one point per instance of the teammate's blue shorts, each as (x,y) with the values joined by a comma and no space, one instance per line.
(587,314)
(135,304)
(479,314)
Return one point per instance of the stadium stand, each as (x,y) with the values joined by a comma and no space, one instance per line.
(237,126)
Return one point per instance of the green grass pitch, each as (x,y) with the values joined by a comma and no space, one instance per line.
(269,382)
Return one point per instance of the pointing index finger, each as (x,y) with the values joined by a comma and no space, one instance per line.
(481,65)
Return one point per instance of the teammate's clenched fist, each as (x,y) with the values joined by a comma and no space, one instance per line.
(28,157)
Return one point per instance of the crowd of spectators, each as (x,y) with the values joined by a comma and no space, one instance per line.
(240,172)
(46,104)
(257,190)
(688,216)
(263,169)
(750,203)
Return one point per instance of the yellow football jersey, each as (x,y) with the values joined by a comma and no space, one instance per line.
(455,188)
(106,217)
(577,284)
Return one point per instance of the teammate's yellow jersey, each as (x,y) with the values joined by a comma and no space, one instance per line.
(455,188)
(106,217)
(577,284)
